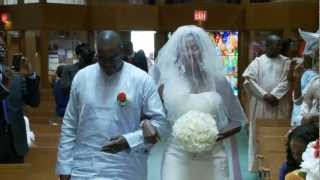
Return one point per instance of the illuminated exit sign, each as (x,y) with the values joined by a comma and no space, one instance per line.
(200,15)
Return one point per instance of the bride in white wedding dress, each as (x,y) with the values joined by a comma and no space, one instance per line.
(189,73)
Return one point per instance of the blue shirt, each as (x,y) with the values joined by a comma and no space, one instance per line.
(283,171)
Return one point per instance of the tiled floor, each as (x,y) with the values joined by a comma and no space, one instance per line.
(157,152)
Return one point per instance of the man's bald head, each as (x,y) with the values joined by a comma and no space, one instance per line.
(272,38)
(273,46)
(109,51)
(108,41)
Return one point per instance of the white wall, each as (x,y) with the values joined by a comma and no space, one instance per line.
(143,40)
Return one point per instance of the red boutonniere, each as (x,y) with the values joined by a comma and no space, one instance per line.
(122,99)
(316,147)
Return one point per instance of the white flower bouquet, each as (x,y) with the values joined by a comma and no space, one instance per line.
(196,131)
(311,161)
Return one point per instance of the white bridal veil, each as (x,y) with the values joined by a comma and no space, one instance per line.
(189,63)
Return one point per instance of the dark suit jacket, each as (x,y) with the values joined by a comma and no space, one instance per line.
(140,60)
(4,92)
(22,91)
(68,73)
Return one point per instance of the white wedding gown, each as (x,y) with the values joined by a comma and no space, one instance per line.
(181,165)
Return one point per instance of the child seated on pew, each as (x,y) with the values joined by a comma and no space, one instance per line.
(298,140)
(310,167)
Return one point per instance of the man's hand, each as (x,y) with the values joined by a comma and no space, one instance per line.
(271,99)
(149,132)
(65,177)
(274,102)
(232,128)
(116,145)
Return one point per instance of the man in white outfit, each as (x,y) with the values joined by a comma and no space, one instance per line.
(101,136)
(266,82)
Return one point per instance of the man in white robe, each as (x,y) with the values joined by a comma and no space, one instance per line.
(265,80)
(101,136)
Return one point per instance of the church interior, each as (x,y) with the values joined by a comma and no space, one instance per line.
(46,32)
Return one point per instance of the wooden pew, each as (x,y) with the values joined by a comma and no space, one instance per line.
(273,123)
(267,127)
(15,171)
(274,151)
(270,131)
(271,140)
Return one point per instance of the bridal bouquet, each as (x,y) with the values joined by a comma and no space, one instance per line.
(196,131)
(311,161)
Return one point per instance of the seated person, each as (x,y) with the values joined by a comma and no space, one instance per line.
(304,73)
(23,86)
(311,98)
(310,164)
(297,142)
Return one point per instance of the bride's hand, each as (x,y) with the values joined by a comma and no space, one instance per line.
(232,128)
(220,137)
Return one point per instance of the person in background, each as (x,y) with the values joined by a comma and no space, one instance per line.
(266,81)
(60,97)
(309,168)
(86,57)
(4,92)
(303,74)
(297,142)
(290,49)
(23,89)
(311,103)
(138,59)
